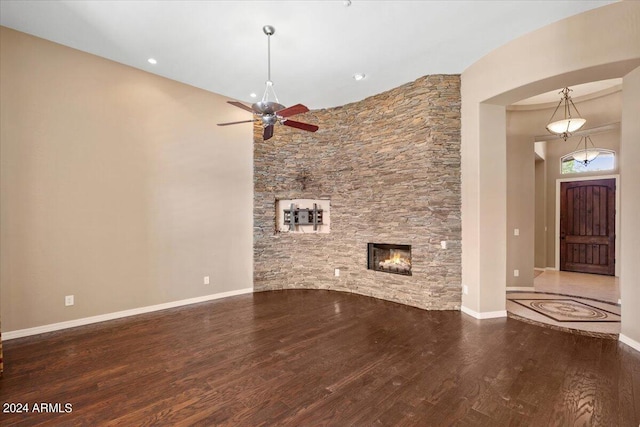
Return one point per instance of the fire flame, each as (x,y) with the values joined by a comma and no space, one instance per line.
(397,262)
(396,259)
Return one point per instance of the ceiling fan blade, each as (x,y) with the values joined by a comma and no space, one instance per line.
(299,125)
(240,105)
(235,123)
(293,110)
(268,132)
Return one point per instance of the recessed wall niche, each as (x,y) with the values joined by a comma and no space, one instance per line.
(303,216)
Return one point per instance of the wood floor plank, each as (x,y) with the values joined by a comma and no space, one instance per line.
(308,357)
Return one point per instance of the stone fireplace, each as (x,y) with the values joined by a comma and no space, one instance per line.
(389,258)
(387,183)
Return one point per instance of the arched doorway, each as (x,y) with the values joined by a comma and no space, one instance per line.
(565,53)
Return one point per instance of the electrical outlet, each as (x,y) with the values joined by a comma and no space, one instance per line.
(68,300)
(465,289)
(443,244)
(516,273)
(516,231)
(206,280)
(336,272)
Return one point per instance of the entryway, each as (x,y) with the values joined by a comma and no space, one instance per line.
(583,296)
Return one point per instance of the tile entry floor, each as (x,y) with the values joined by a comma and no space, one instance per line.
(571,290)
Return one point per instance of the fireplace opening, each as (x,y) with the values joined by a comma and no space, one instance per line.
(389,258)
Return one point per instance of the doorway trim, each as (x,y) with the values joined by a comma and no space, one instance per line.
(617,225)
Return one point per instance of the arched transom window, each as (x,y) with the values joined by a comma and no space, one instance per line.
(597,159)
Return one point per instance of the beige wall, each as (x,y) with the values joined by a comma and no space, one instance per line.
(540,227)
(529,65)
(116,187)
(630,206)
(520,206)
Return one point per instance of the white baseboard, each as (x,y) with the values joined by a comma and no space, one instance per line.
(539,268)
(628,341)
(485,315)
(551,269)
(520,288)
(117,315)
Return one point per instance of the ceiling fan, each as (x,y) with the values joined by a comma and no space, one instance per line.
(269,111)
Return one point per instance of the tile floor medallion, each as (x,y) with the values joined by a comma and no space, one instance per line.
(568,310)
(569,313)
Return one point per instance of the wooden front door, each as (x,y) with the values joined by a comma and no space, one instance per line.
(587,226)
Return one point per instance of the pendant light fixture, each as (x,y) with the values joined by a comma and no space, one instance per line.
(587,155)
(568,123)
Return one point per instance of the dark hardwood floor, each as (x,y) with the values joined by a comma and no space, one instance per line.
(308,358)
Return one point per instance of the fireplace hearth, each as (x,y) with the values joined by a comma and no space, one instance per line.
(389,258)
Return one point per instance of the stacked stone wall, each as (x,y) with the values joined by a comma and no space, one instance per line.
(391,166)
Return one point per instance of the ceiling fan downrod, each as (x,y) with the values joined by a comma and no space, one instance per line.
(269,31)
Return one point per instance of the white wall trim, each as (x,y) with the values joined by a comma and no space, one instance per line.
(118,314)
(520,288)
(485,315)
(630,342)
(617,225)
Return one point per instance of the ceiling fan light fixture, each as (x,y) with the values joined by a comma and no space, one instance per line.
(269,95)
(568,123)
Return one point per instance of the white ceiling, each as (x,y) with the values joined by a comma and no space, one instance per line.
(318,45)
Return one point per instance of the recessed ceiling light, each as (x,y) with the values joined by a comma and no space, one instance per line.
(152,61)
(253,95)
(346,3)
(359,76)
